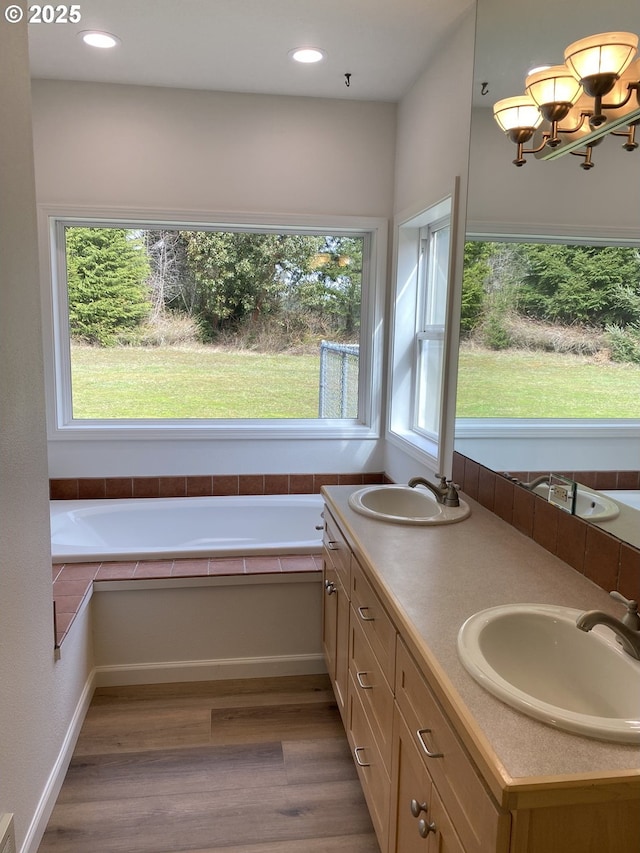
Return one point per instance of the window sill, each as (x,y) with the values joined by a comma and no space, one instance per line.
(146,430)
(546,428)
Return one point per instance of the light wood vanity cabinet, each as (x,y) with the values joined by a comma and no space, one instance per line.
(335,612)
(425,792)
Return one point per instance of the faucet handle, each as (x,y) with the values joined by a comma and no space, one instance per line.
(631,618)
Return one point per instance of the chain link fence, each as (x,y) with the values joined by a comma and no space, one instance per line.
(339,365)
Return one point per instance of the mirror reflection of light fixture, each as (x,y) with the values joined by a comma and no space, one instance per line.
(597,66)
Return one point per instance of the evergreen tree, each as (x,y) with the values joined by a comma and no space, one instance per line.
(581,284)
(107,270)
(475,276)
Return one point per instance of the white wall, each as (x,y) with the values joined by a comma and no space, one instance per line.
(145,148)
(432,148)
(39,694)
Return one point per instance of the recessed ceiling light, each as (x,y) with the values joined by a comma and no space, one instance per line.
(307,54)
(95,38)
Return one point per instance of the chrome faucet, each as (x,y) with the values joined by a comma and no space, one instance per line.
(627,629)
(446,492)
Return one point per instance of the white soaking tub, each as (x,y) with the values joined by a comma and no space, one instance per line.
(157,528)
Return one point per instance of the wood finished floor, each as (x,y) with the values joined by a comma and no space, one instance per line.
(259,766)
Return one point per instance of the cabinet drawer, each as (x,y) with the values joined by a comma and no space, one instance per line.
(374,779)
(336,549)
(372,618)
(478,821)
(372,687)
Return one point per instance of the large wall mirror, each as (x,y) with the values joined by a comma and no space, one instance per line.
(541,203)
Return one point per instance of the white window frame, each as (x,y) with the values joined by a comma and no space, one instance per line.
(547,429)
(62,426)
(429,448)
(431,291)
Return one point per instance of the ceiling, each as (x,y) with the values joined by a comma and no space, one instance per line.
(243,45)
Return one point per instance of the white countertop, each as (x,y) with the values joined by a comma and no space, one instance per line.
(435,578)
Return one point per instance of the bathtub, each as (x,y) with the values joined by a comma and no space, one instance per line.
(157,528)
(630,497)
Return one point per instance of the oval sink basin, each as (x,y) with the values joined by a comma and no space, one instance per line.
(404,505)
(534,658)
(590,505)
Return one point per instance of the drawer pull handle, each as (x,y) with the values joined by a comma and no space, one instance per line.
(425,828)
(319,526)
(332,545)
(424,746)
(330,587)
(361,682)
(356,753)
(417,808)
(361,613)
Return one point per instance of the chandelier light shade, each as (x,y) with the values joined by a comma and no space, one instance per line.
(519,113)
(598,61)
(567,100)
(555,90)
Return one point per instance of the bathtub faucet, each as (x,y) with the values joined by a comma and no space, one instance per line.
(446,492)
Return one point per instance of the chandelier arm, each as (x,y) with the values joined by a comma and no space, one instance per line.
(583,116)
(586,155)
(629,135)
(520,161)
(545,138)
(631,88)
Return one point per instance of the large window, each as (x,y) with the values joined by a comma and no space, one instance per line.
(550,330)
(217,326)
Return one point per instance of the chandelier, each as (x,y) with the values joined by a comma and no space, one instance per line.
(570,108)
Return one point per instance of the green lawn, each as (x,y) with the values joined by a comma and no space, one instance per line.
(202,382)
(523,384)
(199,382)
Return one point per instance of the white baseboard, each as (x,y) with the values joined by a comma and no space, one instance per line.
(208,670)
(56,777)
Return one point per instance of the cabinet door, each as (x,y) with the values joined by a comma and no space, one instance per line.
(445,838)
(411,787)
(329,617)
(481,825)
(420,823)
(335,633)
(341,681)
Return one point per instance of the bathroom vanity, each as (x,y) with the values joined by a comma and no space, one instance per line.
(444,765)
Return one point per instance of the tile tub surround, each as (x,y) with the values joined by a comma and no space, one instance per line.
(606,560)
(203,485)
(73,582)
